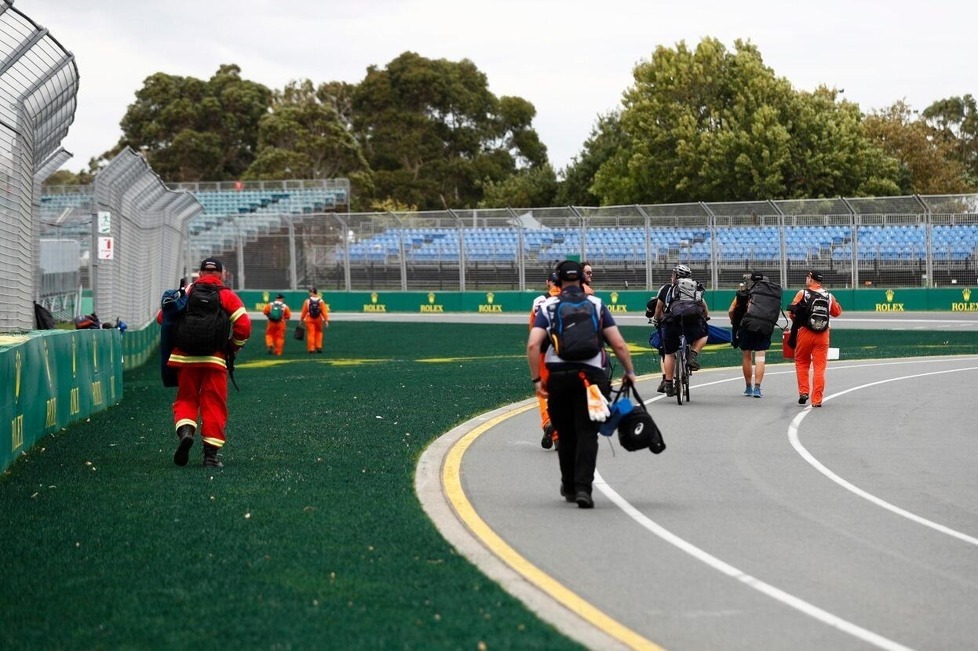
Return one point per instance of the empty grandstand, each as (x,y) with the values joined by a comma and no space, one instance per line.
(289,234)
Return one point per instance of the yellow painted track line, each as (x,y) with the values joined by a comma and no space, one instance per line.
(452,487)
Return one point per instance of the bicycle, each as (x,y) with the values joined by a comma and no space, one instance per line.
(681,374)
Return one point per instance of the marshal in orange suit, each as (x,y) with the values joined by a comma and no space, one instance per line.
(315,316)
(275,328)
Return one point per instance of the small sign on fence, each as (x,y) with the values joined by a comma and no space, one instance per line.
(106,248)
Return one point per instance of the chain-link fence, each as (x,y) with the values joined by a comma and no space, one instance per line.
(915,241)
(138,230)
(38,89)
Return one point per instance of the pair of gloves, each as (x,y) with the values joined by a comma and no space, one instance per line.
(597,405)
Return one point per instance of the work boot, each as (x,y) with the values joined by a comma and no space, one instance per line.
(802,398)
(210,456)
(547,441)
(584,501)
(670,388)
(662,386)
(567,494)
(186,435)
(694,362)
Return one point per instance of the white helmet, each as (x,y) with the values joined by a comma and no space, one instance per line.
(682,271)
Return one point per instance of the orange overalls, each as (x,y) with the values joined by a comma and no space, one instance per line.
(203,379)
(812,351)
(275,330)
(544,373)
(314,325)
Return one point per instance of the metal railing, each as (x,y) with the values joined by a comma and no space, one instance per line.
(138,231)
(908,241)
(38,90)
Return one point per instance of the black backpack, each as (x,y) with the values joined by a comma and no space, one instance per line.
(203,327)
(763,307)
(314,307)
(43,317)
(817,306)
(575,328)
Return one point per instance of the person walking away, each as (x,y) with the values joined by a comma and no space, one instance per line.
(211,329)
(650,314)
(753,314)
(811,310)
(278,315)
(577,326)
(315,316)
(683,310)
(550,435)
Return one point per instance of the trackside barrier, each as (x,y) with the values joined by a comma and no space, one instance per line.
(959,299)
(53,378)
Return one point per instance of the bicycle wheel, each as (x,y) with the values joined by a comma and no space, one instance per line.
(685,376)
(680,369)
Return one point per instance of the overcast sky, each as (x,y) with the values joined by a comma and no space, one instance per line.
(572,59)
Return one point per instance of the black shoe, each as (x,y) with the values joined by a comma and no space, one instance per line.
(568,495)
(670,388)
(186,435)
(547,441)
(319,350)
(818,405)
(210,457)
(694,363)
(584,500)
(802,398)
(271,350)
(662,386)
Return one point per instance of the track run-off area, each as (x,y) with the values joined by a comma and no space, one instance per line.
(763,525)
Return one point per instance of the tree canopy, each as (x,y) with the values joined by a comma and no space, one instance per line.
(433,133)
(697,124)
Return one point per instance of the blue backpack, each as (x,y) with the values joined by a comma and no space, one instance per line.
(172,304)
(575,328)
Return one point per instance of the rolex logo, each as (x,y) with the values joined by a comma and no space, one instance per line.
(889,295)
(966,294)
(18,364)
(431,297)
(373,297)
(614,297)
(489,297)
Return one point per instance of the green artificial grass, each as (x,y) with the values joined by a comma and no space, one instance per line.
(312,536)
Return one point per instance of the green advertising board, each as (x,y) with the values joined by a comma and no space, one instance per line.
(944,299)
(53,378)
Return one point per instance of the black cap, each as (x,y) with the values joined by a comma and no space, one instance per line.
(313,290)
(282,296)
(553,278)
(816,275)
(569,270)
(211,264)
(756,275)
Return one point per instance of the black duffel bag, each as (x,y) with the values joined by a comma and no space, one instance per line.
(637,430)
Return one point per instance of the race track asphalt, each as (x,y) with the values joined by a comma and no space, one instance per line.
(763,525)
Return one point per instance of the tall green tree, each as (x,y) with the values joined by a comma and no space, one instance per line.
(305,136)
(832,154)
(929,162)
(956,121)
(710,124)
(605,141)
(434,135)
(195,130)
(527,188)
